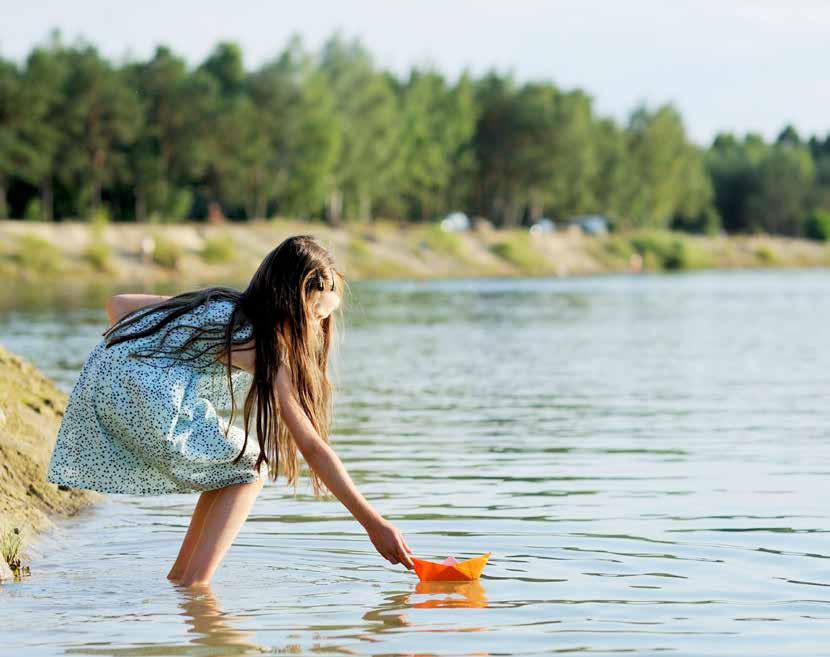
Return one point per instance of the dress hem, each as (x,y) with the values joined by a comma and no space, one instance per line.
(148,492)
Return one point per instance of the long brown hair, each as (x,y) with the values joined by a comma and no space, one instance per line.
(277,304)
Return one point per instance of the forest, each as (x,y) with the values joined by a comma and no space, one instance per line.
(329,135)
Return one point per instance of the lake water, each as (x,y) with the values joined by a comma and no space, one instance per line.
(647,458)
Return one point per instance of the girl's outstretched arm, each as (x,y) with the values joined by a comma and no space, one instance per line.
(119,305)
(388,541)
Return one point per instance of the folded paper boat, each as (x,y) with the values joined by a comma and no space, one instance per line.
(450,570)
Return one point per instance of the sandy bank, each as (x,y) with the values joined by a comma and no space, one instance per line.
(143,254)
(31,407)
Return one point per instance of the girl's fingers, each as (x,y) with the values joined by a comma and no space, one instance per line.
(405,560)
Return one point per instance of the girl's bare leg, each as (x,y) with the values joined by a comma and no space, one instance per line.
(192,535)
(228,509)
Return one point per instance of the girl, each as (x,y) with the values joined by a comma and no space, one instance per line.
(142,420)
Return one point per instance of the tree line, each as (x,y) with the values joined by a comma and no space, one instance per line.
(329,135)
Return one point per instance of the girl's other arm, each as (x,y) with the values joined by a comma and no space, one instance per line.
(324,461)
(119,305)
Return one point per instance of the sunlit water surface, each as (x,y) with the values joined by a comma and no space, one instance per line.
(647,458)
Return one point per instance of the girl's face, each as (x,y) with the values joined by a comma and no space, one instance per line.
(324,304)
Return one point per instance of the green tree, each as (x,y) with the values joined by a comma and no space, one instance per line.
(236,143)
(788,136)
(670,170)
(44,101)
(225,65)
(556,152)
(779,201)
(497,191)
(535,149)
(820,152)
(459,189)
(100,122)
(11,145)
(168,152)
(369,116)
(298,115)
(438,120)
(733,171)
(615,184)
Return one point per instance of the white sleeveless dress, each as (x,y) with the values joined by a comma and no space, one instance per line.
(150,426)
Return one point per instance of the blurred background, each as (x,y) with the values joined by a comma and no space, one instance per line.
(586,325)
(704,119)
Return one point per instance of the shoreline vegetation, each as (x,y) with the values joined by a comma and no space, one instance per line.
(200,253)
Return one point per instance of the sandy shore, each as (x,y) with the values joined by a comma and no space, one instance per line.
(143,254)
(31,407)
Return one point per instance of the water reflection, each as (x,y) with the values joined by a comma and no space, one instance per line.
(454,594)
(214,628)
(212,631)
(451,595)
(211,626)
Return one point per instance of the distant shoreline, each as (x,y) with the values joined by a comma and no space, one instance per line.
(201,253)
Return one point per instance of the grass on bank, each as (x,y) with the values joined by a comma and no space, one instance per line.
(385,249)
(653,251)
(440,241)
(362,261)
(38,255)
(670,252)
(218,250)
(766,255)
(518,248)
(11,549)
(167,253)
(99,255)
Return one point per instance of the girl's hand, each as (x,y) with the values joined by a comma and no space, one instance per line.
(389,542)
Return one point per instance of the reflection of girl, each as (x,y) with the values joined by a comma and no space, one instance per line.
(212,627)
(142,419)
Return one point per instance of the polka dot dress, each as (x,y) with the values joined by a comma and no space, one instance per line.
(150,426)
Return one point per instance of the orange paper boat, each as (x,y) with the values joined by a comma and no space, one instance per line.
(450,570)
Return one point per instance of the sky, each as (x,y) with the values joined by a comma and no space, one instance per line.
(729,65)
